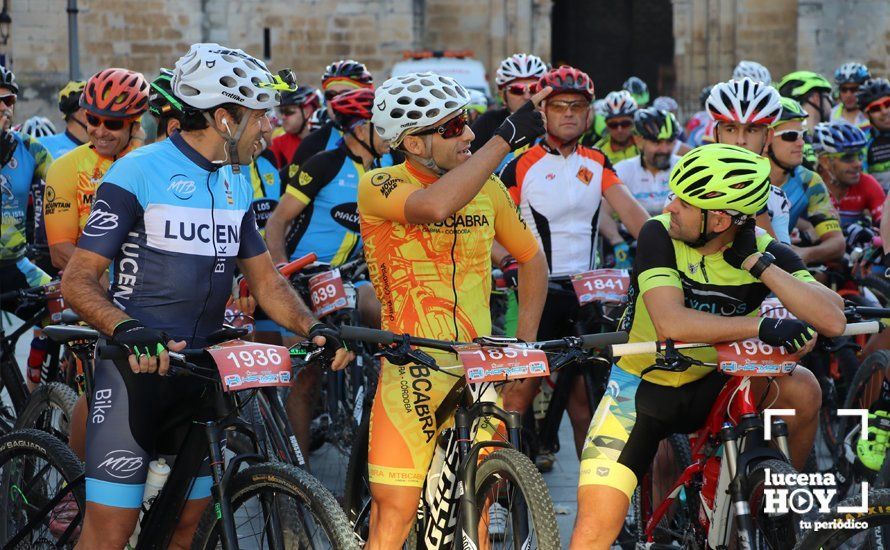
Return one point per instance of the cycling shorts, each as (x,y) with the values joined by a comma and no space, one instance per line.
(132,419)
(631,420)
(404,429)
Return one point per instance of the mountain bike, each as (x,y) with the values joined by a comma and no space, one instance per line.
(460,486)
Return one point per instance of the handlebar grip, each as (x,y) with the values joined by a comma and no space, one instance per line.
(867,327)
(634,348)
(872,312)
(298,264)
(369,335)
(112,352)
(602,340)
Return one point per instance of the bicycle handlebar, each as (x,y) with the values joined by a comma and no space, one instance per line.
(641,348)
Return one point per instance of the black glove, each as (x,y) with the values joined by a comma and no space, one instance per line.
(139,339)
(859,234)
(791,334)
(744,244)
(8,144)
(331,336)
(522,127)
(510,268)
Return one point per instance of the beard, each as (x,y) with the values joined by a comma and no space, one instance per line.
(661,161)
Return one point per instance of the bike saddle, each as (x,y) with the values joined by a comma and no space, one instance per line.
(64,334)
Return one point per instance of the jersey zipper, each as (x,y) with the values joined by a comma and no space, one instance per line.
(703,270)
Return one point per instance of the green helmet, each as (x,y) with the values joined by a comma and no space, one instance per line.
(799,84)
(161,100)
(722,177)
(791,110)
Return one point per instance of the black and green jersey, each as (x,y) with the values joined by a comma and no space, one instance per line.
(708,283)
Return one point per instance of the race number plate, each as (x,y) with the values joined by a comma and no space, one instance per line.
(499,364)
(601,285)
(327,293)
(752,357)
(244,365)
(54,302)
(773,308)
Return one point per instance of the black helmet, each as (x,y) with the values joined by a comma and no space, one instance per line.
(654,124)
(871,91)
(7,80)
(347,69)
(161,100)
(69,97)
(302,96)
(703,96)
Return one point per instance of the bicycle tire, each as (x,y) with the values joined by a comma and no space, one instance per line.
(281,479)
(879,287)
(56,454)
(513,466)
(45,398)
(674,523)
(772,532)
(876,515)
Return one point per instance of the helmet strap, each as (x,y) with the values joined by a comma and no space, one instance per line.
(428,161)
(785,168)
(704,236)
(369,148)
(231,141)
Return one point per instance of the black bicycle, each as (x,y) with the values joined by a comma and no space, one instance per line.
(448,513)
(254,502)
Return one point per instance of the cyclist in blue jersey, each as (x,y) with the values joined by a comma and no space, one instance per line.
(321,202)
(172,223)
(807,195)
(75,133)
(23,165)
(874,100)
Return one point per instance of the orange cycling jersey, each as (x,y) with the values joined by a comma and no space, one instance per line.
(434,281)
(70,187)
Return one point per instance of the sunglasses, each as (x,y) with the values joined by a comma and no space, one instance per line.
(848,158)
(450,129)
(288,112)
(873,108)
(790,135)
(849,89)
(8,100)
(614,125)
(112,124)
(573,106)
(520,89)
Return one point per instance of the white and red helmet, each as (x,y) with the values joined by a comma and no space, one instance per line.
(744,101)
(519,65)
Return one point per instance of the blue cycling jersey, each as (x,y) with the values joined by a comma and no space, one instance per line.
(266,184)
(173,225)
(20,179)
(59,144)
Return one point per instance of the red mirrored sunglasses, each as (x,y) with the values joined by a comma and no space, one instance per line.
(450,129)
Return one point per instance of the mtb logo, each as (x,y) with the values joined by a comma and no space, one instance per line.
(121,463)
(101,221)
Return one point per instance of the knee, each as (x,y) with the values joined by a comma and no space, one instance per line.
(805,393)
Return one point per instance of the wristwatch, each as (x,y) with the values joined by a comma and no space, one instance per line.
(764,261)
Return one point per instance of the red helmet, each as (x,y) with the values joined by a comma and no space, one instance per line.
(116,93)
(352,106)
(567,79)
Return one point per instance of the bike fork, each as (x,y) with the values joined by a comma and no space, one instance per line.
(520,509)
(221,504)
(744,523)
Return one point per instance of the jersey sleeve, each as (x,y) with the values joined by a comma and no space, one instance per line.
(654,264)
(60,204)
(252,243)
(820,211)
(311,178)
(41,155)
(509,180)
(510,229)
(789,261)
(115,211)
(382,195)
(875,199)
(610,178)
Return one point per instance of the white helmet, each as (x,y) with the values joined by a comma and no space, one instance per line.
(415,100)
(519,65)
(744,101)
(599,107)
(38,127)
(210,75)
(620,103)
(665,103)
(753,70)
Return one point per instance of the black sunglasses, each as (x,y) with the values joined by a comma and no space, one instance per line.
(790,135)
(110,123)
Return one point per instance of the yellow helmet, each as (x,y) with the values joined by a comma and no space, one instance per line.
(69,96)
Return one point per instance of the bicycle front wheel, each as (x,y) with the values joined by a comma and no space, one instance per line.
(868,529)
(278,506)
(520,511)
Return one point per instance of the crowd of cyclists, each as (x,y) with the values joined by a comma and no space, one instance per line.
(161,201)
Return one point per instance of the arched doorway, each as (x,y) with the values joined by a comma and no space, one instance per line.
(613,40)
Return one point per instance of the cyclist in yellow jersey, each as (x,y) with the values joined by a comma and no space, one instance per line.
(114,99)
(618,143)
(701,270)
(428,226)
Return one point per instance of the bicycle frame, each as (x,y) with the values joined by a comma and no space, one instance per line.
(734,408)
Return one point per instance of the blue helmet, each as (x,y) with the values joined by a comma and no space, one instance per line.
(851,73)
(838,137)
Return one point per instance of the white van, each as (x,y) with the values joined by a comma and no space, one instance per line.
(461,66)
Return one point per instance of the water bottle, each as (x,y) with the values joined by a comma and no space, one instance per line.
(158,471)
(37,356)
